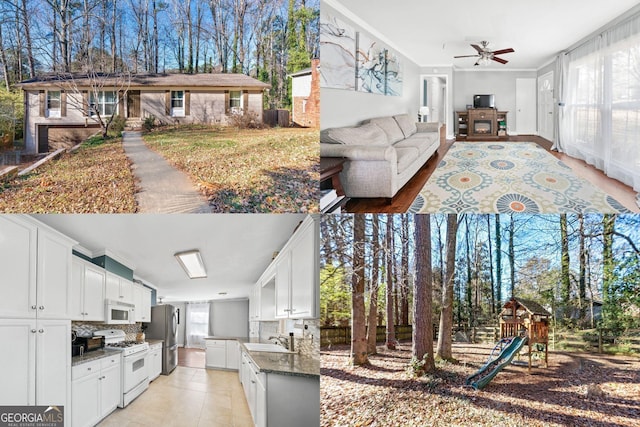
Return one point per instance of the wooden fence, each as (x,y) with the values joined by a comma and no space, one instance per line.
(334,335)
(275,118)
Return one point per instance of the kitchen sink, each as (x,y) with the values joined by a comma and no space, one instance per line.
(270,348)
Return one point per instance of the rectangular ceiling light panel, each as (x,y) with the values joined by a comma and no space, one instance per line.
(191,262)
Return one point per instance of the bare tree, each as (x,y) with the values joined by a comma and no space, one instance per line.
(446,315)
(422,335)
(391,330)
(373,288)
(358,325)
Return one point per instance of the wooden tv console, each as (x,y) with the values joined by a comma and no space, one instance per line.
(481,124)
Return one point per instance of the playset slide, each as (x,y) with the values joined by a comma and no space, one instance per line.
(490,369)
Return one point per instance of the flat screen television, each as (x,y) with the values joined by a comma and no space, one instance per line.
(484,101)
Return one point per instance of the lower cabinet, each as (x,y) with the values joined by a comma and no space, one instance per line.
(95,390)
(222,354)
(155,364)
(280,400)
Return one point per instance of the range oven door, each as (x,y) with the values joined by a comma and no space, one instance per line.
(135,370)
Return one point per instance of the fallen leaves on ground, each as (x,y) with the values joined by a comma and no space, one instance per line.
(249,170)
(576,389)
(94,179)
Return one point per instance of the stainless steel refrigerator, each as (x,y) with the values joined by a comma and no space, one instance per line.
(164,326)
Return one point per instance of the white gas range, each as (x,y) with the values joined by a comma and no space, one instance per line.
(135,377)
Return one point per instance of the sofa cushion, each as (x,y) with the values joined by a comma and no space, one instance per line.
(390,128)
(367,134)
(407,125)
(421,141)
(406,156)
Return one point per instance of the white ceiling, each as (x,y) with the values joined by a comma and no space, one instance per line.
(433,32)
(236,248)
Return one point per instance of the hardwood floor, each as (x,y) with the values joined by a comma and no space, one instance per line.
(403,199)
(191,357)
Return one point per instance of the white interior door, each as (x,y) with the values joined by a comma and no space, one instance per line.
(526,106)
(545,106)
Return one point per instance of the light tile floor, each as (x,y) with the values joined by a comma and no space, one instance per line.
(187,397)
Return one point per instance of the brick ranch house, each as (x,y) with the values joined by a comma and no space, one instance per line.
(60,112)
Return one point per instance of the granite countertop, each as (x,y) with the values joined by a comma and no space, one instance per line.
(90,356)
(213,337)
(286,364)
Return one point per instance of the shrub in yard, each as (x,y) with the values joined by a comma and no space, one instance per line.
(149,123)
(246,121)
(117,126)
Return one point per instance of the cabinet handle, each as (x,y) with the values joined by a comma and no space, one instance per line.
(33,331)
(33,307)
(253,382)
(88,369)
(41,330)
(41,307)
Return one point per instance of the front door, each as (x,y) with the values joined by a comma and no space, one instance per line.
(43,139)
(133,104)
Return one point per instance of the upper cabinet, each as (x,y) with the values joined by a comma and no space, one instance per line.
(297,290)
(88,286)
(142,301)
(36,270)
(119,288)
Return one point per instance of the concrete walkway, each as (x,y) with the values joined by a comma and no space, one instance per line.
(162,188)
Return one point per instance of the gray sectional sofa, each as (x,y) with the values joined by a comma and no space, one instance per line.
(382,153)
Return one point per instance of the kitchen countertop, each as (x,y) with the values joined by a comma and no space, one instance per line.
(90,356)
(152,342)
(213,337)
(286,364)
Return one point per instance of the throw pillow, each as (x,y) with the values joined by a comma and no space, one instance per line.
(407,125)
(367,134)
(390,127)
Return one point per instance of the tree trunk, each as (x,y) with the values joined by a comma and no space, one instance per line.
(512,257)
(489,244)
(583,267)
(446,315)
(3,59)
(608,300)
(358,325)
(564,267)
(470,322)
(373,289)
(404,306)
(422,348)
(391,330)
(498,262)
(27,37)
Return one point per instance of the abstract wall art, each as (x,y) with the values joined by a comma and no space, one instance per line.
(337,53)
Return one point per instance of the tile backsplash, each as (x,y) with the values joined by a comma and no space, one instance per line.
(306,334)
(88,328)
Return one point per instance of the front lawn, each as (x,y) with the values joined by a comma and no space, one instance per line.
(96,178)
(248,170)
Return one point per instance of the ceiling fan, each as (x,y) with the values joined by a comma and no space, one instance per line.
(485,55)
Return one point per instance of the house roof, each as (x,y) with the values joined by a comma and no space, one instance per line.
(531,306)
(304,72)
(150,80)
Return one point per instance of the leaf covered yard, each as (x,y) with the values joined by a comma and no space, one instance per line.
(246,170)
(96,178)
(577,389)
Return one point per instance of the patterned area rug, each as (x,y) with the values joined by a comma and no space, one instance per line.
(489,177)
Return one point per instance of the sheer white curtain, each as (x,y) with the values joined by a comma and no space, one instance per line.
(197,324)
(600,122)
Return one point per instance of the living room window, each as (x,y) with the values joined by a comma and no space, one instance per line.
(177,103)
(104,103)
(53,103)
(601,123)
(235,101)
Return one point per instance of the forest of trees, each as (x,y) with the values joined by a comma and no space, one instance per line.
(373,265)
(263,38)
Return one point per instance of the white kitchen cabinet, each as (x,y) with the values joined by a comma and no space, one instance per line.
(232,355)
(38,366)
(95,390)
(87,291)
(155,363)
(261,301)
(297,288)
(119,288)
(142,301)
(216,353)
(36,273)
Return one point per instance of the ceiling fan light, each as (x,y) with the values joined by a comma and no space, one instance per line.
(192,264)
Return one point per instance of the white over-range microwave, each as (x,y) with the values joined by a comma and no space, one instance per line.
(118,313)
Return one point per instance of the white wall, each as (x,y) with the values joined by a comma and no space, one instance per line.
(229,318)
(348,107)
(502,84)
